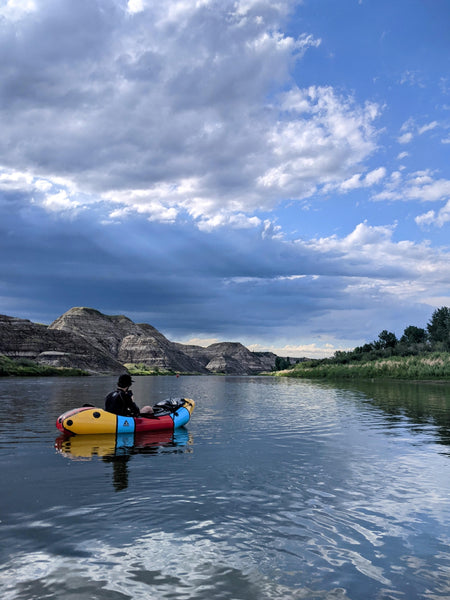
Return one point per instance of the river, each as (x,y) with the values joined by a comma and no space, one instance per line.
(276,489)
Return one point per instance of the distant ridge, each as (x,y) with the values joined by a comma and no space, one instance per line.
(87,339)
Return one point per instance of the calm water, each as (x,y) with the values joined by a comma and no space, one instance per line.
(275,489)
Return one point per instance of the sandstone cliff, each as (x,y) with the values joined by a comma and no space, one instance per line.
(87,339)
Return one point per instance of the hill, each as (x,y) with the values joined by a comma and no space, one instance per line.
(85,338)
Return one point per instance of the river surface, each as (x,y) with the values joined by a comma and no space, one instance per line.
(276,489)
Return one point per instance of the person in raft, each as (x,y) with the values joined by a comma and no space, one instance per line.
(121,402)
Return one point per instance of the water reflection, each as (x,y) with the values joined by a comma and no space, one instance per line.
(295,490)
(117,449)
(422,408)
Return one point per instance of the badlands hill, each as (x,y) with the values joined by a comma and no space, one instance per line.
(85,338)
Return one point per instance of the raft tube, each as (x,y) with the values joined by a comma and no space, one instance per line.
(169,414)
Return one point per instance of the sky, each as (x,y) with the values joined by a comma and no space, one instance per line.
(269,172)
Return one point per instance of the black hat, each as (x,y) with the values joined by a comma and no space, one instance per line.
(124,381)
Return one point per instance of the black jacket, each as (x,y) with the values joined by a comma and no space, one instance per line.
(121,403)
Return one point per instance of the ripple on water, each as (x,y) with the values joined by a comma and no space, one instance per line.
(156,566)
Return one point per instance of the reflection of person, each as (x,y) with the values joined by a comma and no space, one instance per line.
(120,470)
(121,402)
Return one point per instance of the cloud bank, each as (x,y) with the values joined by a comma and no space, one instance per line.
(165,160)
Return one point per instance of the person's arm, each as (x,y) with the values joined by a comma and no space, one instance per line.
(132,408)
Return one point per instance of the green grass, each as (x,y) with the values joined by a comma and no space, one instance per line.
(27,368)
(435,365)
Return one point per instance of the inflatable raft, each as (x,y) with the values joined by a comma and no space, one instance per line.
(169,414)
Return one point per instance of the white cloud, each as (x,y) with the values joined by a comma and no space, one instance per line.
(375,176)
(135,6)
(358,181)
(428,127)
(438,218)
(419,186)
(60,202)
(321,137)
(406,138)
(16,9)
(410,127)
(167,113)
(312,350)
(374,247)
(12,180)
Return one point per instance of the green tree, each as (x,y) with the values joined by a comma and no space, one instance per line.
(439,327)
(414,335)
(282,363)
(387,339)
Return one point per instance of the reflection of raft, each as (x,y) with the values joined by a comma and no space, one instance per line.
(169,414)
(120,444)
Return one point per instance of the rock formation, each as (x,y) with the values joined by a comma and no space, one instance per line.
(20,338)
(87,339)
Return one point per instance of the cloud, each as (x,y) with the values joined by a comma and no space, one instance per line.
(172,110)
(412,78)
(14,10)
(314,350)
(60,203)
(420,186)
(405,138)
(438,218)
(428,127)
(357,181)
(410,127)
(135,6)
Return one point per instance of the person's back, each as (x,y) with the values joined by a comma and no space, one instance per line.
(121,402)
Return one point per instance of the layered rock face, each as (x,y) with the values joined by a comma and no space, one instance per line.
(87,339)
(126,341)
(20,338)
(230,357)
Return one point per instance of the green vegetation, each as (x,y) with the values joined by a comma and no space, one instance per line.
(435,365)
(24,367)
(418,354)
(142,369)
(282,363)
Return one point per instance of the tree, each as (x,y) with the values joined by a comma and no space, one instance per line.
(414,335)
(439,326)
(282,363)
(387,339)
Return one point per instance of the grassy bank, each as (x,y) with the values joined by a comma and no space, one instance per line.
(28,368)
(434,366)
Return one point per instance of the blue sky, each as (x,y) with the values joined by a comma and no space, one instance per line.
(274,173)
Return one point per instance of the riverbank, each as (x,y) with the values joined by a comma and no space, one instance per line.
(433,366)
(28,368)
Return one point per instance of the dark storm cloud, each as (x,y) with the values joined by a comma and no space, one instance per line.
(236,286)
